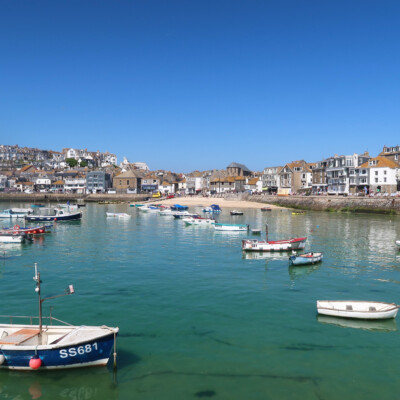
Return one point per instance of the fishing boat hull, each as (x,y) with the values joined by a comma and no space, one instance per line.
(357,309)
(10,238)
(35,230)
(234,212)
(79,353)
(117,215)
(231,227)
(279,245)
(198,221)
(305,259)
(65,217)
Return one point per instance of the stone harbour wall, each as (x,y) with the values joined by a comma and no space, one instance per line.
(383,205)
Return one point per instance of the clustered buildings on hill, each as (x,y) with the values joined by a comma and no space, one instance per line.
(80,171)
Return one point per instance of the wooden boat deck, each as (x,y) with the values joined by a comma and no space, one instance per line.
(20,336)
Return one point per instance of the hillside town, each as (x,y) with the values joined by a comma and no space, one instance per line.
(79,171)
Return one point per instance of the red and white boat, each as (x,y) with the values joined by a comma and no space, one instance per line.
(276,245)
(34,230)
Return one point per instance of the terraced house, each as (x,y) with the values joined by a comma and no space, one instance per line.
(383,175)
(295,176)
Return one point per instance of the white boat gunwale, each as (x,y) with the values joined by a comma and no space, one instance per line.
(332,308)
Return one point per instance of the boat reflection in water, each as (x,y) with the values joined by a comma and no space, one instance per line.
(269,256)
(388,325)
(299,272)
(91,385)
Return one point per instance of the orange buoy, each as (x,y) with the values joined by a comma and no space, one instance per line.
(35,362)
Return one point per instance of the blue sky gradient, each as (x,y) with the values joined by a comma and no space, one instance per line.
(190,84)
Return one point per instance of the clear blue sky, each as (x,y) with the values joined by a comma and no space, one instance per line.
(196,84)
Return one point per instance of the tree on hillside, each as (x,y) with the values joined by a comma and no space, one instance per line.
(83,164)
(71,162)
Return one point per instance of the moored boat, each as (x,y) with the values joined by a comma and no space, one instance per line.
(231,227)
(14,237)
(178,207)
(184,214)
(275,245)
(214,208)
(33,230)
(305,259)
(40,347)
(266,209)
(59,215)
(298,212)
(198,221)
(357,309)
(236,212)
(14,213)
(117,215)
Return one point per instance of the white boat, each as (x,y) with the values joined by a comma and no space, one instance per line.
(12,238)
(357,309)
(10,214)
(167,212)
(398,243)
(117,215)
(198,221)
(183,214)
(23,211)
(275,245)
(231,227)
(149,209)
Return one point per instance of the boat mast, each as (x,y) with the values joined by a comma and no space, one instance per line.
(266,232)
(37,289)
(68,291)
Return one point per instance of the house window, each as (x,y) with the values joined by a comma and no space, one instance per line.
(127,182)
(396,157)
(384,179)
(120,182)
(376,180)
(376,172)
(384,172)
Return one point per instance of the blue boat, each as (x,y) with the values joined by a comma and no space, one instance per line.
(305,259)
(214,208)
(39,347)
(178,207)
(59,215)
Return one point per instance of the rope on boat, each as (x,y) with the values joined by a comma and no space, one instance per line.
(115,344)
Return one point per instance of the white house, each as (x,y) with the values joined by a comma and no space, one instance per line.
(383,175)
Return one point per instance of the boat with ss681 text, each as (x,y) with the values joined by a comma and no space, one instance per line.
(40,347)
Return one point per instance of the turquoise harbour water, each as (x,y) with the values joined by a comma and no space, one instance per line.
(198,319)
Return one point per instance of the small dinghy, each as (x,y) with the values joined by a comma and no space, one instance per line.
(117,215)
(236,212)
(298,212)
(266,209)
(357,309)
(305,259)
(231,227)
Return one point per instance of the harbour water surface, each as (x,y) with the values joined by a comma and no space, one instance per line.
(198,319)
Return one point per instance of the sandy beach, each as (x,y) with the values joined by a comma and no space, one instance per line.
(207,201)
